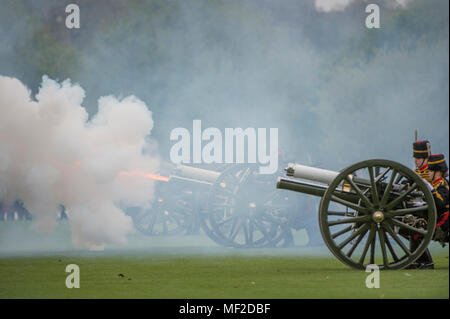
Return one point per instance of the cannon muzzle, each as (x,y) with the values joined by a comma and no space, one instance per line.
(320,175)
(311,173)
(198,174)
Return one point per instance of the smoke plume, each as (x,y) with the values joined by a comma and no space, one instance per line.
(52,154)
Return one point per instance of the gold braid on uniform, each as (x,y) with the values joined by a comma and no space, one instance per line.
(440,186)
(423,173)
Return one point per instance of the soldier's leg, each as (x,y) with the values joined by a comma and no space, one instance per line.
(425,261)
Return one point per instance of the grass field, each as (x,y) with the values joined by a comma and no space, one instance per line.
(212,277)
(33,265)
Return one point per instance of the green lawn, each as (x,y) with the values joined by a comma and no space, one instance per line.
(163,276)
(32,265)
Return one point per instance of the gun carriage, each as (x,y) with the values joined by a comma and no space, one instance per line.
(235,206)
(369,210)
(177,202)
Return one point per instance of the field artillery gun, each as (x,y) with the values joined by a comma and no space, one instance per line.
(177,201)
(234,205)
(375,205)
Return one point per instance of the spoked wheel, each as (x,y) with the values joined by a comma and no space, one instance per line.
(245,211)
(169,215)
(371,209)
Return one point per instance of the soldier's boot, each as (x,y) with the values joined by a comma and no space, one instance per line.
(425,261)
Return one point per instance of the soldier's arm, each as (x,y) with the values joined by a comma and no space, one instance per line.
(441,197)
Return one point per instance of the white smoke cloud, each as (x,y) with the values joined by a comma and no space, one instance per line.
(340,5)
(52,154)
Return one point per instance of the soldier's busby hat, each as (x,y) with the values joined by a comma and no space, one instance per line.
(421,149)
(436,162)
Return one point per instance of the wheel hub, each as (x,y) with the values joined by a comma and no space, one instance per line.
(378,216)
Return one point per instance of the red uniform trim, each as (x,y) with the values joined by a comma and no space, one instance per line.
(443,219)
(436,181)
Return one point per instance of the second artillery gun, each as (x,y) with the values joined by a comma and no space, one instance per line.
(369,211)
(234,205)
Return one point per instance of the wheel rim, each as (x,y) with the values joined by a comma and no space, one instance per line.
(372,229)
(242,212)
(171,215)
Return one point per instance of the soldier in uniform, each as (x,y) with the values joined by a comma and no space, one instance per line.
(437,172)
(421,152)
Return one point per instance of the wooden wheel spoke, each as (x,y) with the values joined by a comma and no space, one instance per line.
(364,218)
(233,235)
(359,192)
(398,179)
(246,232)
(373,186)
(234,225)
(349,204)
(356,243)
(368,242)
(410,228)
(334,213)
(226,220)
(372,248)
(261,229)
(401,197)
(152,222)
(228,193)
(388,188)
(176,220)
(241,177)
(265,217)
(353,236)
(391,249)
(343,231)
(379,177)
(391,232)
(381,235)
(400,212)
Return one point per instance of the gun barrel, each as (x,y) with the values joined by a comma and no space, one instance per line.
(314,189)
(199,174)
(311,173)
(301,186)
